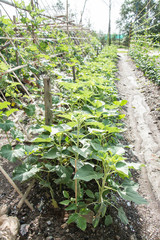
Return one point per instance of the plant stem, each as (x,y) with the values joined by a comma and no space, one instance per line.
(76,159)
(8,138)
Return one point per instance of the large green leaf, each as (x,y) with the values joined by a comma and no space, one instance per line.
(81,223)
(127,183)
(122,215)
(29,149)
(129,194)
(4,105)
(84,152)
(17,134)
(122,167)
(120,103)
(57,129)
(96,131)
(12,154)
(89,193)
(43,140)
(9,112)
(30,110)
(97,146)
(108,220)
(96,124)
(7,125)
(52,154)
(87,173)
(113,129)
(25,171)
(60,129)
(64,173)
(116,149)
(65,202)
(136,166)
(98,103)
(72,218)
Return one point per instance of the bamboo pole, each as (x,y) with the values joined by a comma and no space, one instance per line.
(41,14)
(17,77)
(13,69)
(5,45)
(15,187)
(41,39)
(26,194)
(16,44)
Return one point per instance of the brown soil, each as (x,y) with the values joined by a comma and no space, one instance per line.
(143,133)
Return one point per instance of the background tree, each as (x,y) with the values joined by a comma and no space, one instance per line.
(139,15)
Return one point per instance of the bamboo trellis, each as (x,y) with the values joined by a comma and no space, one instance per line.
(76,33)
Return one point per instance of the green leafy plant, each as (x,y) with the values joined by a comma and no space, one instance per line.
(81,150)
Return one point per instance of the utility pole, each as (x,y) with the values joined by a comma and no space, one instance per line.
(109,24)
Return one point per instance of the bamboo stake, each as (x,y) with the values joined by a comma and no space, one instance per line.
(26,194)
(41,14)
(13,69)
(15,187)
(5,45)
(17,58)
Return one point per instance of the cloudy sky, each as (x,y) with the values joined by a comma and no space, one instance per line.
(96,11)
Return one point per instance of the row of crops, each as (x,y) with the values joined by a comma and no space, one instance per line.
(145,49)
(81,150)
(147,59)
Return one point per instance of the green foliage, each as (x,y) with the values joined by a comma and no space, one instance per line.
(136,13)
(81,147)
(145,59)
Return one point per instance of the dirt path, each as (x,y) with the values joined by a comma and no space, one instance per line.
(144,135)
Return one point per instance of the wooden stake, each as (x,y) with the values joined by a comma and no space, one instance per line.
(47,100)
(15,187)
(97,51)
(74,73)
(26,194)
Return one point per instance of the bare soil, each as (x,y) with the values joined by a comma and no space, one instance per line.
(143,133)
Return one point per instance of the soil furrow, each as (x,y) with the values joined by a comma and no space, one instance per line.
(144,135)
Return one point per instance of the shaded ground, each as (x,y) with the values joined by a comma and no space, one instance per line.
(142,119)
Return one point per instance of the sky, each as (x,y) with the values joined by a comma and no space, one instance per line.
(96,12)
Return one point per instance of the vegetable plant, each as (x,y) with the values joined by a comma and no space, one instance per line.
(81,151)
